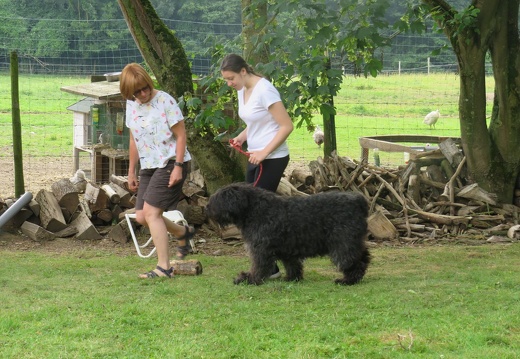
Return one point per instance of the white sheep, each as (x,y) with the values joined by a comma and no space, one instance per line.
(431,118)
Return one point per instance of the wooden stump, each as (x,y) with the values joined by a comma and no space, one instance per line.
(187,267)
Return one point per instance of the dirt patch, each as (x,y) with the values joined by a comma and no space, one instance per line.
(206,242)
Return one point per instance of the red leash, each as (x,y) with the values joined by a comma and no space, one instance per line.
(247,154)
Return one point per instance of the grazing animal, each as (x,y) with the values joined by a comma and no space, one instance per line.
(431,118)
(318,136)
(291,229)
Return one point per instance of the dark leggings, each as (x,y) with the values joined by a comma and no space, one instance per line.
(272,172)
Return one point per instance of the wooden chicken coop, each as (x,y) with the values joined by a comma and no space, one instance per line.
(99,127)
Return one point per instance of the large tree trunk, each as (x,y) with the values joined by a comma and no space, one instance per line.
(492,151)
(165,56)
(254,21)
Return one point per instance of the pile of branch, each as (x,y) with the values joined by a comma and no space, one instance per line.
(429,198)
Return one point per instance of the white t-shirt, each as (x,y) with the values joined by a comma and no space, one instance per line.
(151,124)
(261,126)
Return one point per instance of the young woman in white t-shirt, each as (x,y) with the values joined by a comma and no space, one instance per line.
(268,125)
(267,120)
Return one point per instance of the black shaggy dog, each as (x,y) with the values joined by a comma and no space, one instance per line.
(291,229)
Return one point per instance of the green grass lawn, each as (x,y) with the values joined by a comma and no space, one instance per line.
(430,302)
(394,104)
(415,302)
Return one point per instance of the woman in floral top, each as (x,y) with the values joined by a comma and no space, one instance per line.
(158,144)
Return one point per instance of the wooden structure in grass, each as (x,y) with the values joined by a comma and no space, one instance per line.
(99,127)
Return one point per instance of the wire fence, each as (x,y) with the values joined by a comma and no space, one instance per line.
(51,127)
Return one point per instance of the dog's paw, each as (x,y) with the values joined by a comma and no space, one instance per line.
(248,279)
(242,277)
(344,281)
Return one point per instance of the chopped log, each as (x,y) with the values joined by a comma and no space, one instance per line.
(35,207)
(195,177)
(124,196)
(96,198)
(227,232)
(192,213)
(413,227)
(402,221)
(66,194)
(201,201)
(447,168)
(467,210)
(449,190)
(414,188)
(187,267)
(36,233)
(116,211)
(50,212)
(120,232)
(85,228)
(476,193)
(133,200)
(498,239)
(441,219)
(13,224)
(285,188)
(128,211)
(514,232)
(451,151)
(425,162)
(111,193)
(105,215)
(191,189)
(302,176)
(67,232)
(435,173)
(85,207)
(380,227)
(120,181)
(430,183)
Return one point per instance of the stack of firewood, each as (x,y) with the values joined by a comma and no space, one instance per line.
(429,198)
(66,211)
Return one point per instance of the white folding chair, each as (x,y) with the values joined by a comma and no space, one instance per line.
(174,216)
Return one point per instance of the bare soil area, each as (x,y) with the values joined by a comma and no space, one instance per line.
(205,243)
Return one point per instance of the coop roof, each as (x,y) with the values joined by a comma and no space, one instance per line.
(82,106)
(101,90)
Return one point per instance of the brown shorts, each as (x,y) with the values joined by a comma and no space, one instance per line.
(153,187)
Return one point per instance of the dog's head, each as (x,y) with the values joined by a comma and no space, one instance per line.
(229,205)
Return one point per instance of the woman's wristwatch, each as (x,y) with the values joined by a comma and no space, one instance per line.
(180,164)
